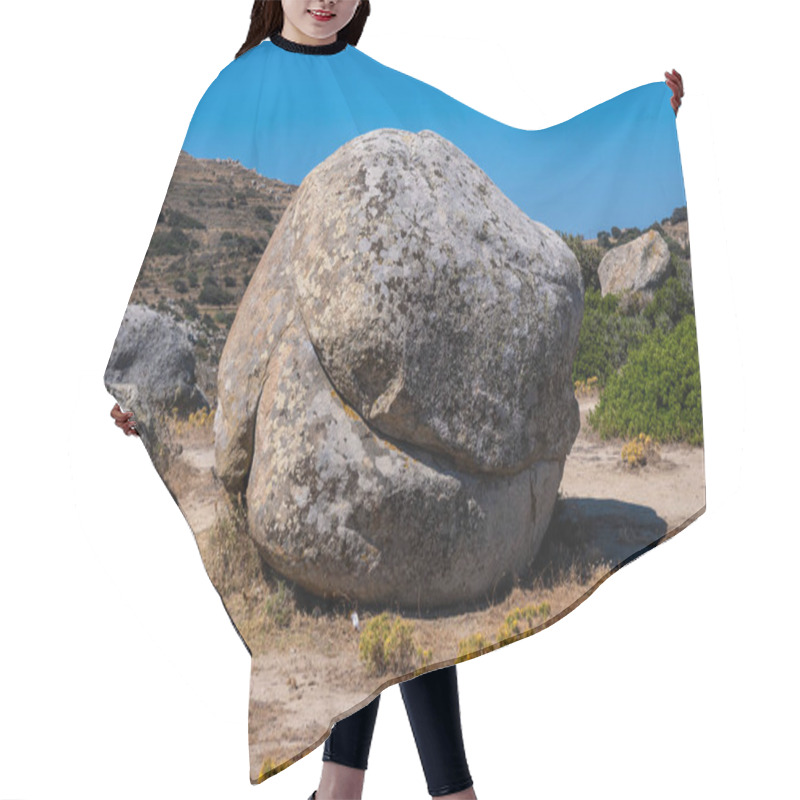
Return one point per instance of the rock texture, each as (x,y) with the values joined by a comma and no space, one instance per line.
(395,395)
(639,266)
(151,370)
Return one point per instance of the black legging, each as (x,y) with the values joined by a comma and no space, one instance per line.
(432,705)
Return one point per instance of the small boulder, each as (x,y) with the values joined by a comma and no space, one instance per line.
(639,266)
(151,370)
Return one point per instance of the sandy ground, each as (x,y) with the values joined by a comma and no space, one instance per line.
(308,674)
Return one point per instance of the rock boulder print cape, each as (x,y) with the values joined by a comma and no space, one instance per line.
(418,380)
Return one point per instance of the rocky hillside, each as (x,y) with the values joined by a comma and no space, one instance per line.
(214,226)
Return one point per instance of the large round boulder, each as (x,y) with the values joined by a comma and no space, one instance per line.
(395,394)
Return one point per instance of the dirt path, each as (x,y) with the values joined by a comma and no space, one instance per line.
(670,487)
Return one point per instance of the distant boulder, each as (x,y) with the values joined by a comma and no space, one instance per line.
(639,266)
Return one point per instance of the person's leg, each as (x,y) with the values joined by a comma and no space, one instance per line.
(433,710)
(346,753)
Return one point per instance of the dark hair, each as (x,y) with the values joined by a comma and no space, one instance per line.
(266,18)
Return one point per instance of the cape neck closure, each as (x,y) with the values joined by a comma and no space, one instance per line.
(310,49)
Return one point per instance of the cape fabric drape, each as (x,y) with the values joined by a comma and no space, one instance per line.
(419,381)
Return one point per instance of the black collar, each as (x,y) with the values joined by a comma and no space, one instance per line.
(311,49)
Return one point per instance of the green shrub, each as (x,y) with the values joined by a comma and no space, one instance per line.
(214,295)
(371,643)
(400,650)
(639,451)
(472,644)
(177,264)
(628,235)
(657,392)
(522,619)
(670,304)
(589,257)
(189,309)
(241,244)
(177,219)
(173,242)
(263,213)
(675,248)
(605,337)
(679,215)
(388,646)
(225,318)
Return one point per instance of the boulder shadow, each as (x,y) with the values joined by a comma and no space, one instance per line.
(587,531)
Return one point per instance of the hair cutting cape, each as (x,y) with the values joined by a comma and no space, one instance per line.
(418,380)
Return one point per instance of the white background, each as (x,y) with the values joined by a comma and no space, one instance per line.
(120,674)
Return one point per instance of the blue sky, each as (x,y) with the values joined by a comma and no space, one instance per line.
(282,113)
